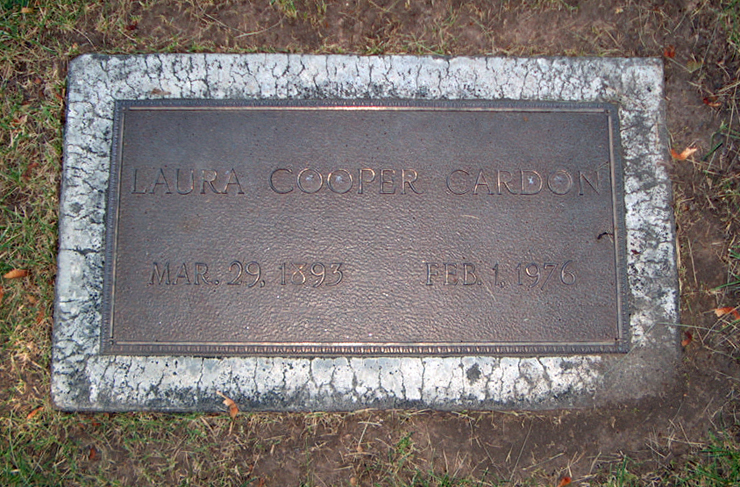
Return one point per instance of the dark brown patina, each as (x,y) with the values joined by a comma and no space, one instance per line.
(364,228)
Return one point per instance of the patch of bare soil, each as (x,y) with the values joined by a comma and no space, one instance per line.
(386,448)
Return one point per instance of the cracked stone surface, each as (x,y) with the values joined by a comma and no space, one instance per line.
(83,379)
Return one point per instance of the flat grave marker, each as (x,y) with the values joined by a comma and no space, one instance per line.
(364,228)
(340,232)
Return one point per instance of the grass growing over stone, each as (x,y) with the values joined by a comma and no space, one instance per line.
(41,446)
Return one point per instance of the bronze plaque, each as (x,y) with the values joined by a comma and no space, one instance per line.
(364,228)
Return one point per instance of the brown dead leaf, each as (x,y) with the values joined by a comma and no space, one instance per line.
(19,121)
(40,316)
(565,480)
(233,408)
(693,65)
(687,152)
(689,337)
(720,312)
(33,413)
(26,10)
(712,101)
(157,91)
(93,455)
(31,299)
(669,51)
(27,173)
(2,293)
(16,273)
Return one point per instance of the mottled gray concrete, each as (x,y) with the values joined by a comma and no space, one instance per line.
(83,379)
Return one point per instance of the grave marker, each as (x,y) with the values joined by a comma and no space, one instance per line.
(339,232)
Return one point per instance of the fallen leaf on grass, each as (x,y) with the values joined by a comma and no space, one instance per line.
(669,51)
(26,10)
(712,101)
(720,312)
(564,481)
(2,293)
(27,173)
(233,408)
(33,413)
(93,455)
(687,152)
(689,338)
(40,316)
(693,65)
(16,273)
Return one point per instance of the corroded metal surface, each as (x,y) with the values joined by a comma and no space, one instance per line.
(438,228)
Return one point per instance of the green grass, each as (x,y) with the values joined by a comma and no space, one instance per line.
(720,465)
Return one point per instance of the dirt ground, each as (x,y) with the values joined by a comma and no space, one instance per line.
(651,441)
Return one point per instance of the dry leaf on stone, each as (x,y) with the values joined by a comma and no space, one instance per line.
(687,152)
(233,408)
(720,312)
(157,91)
(15,274)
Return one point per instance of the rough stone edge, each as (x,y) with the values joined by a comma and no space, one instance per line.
(84,380)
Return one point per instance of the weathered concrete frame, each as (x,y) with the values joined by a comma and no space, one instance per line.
(83,379)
